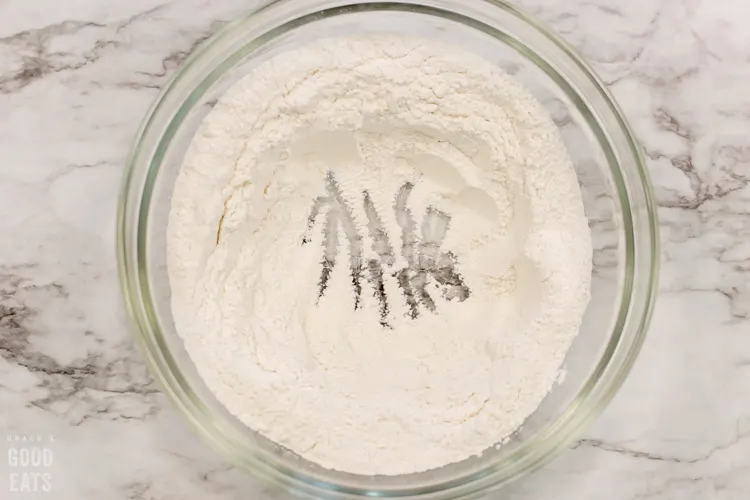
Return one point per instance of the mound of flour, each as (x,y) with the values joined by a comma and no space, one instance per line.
(378,253)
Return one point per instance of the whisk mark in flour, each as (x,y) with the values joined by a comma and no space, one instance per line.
(423,255)
(338,214)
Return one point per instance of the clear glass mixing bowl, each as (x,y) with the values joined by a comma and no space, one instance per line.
(611,172)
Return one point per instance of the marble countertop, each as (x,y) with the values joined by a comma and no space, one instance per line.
(77,77)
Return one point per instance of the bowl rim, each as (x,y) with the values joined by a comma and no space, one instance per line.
(634,312)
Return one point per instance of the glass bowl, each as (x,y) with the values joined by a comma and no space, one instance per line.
(616,194)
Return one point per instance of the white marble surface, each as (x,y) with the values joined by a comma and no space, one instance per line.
(76,77)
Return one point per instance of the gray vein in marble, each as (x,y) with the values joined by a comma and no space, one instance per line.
(38,61)
(85,381)
(704,192)
(638,454)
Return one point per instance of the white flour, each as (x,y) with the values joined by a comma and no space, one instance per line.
(425,311)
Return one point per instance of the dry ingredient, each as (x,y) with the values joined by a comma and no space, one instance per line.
(378,253)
